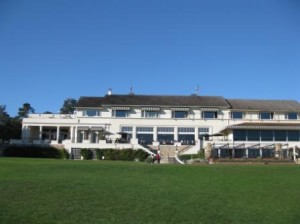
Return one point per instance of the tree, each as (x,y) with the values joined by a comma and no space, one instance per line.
(68,106)
(25,110)
(4,116)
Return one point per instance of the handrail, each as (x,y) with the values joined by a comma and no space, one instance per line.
(178,160)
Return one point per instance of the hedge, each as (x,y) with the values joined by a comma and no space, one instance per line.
(123,154)
(35,152)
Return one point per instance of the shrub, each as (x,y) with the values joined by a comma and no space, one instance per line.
(141,155)
(99,153)
(123,154)
(86,154)
(35,152)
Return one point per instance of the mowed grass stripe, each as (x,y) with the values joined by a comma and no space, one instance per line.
(59,191)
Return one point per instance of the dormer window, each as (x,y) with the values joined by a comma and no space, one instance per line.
(266,115)
(237,115)
(150,112)
(180,112)
(91,113)
(120,111)
(291,116)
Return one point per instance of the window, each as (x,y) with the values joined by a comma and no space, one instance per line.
(126,129)
(180,114)
(253,135)
(266,135)
(165,129)
(204,130)
(239,135)
(144,129)
(293,136)
(237,115)
(149,114)
(291,116)
(266,115)
(121,113)
(186,130)
(209,114)
(280,135)
(91,113)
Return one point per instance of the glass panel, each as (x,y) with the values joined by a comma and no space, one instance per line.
(144,129)
(126,129)
(121,113)
(266,115)
(253,135)
(186,130)
(203,129)
(237,115)
(165,139)
(180,114)
(293,136)
(145,139)
(266,135)
(165,129)
(92,113)
(239,135)
(209,114)
(292,116)
(186,139)
(253,153)
(150,114)
(280,135)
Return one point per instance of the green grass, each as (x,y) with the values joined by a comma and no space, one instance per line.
(57,191)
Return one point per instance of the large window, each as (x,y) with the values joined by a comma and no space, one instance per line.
(253,135)
(144,129)
(266,115)
(165,129)
(237,115)
(180,114)
(280,135)
(149,114)
(121,113)
(209,114)
(126,129)
(293,136)
(186,130)
(239,135)
(291,116)
(266,135)
(91,113)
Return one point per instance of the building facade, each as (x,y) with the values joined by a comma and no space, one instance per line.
(223,127)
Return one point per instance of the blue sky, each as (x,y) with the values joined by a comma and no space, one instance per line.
(56,49)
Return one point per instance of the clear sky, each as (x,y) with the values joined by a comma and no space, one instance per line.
(51,50)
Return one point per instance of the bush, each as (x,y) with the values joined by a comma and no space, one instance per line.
(35,152)
(123,154)
(86,154)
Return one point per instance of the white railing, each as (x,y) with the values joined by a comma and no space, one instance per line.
(47,116)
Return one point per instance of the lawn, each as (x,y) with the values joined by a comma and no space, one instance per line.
(59,191)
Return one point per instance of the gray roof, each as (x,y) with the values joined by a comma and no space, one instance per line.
(264,105)
(153,100)
(265,126)
(188,101)
(87,101)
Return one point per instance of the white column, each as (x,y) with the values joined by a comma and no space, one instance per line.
(175,134)
(24,132)
(155,134)
(90,133)
(76,135)
(246,153)
(40,133)
(196,135)
(57,133)
(71,133)
(134,132)
(260,153)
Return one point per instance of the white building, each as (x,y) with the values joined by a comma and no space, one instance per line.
(224,127)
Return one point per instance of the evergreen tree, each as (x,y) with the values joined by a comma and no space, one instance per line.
(68,106)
